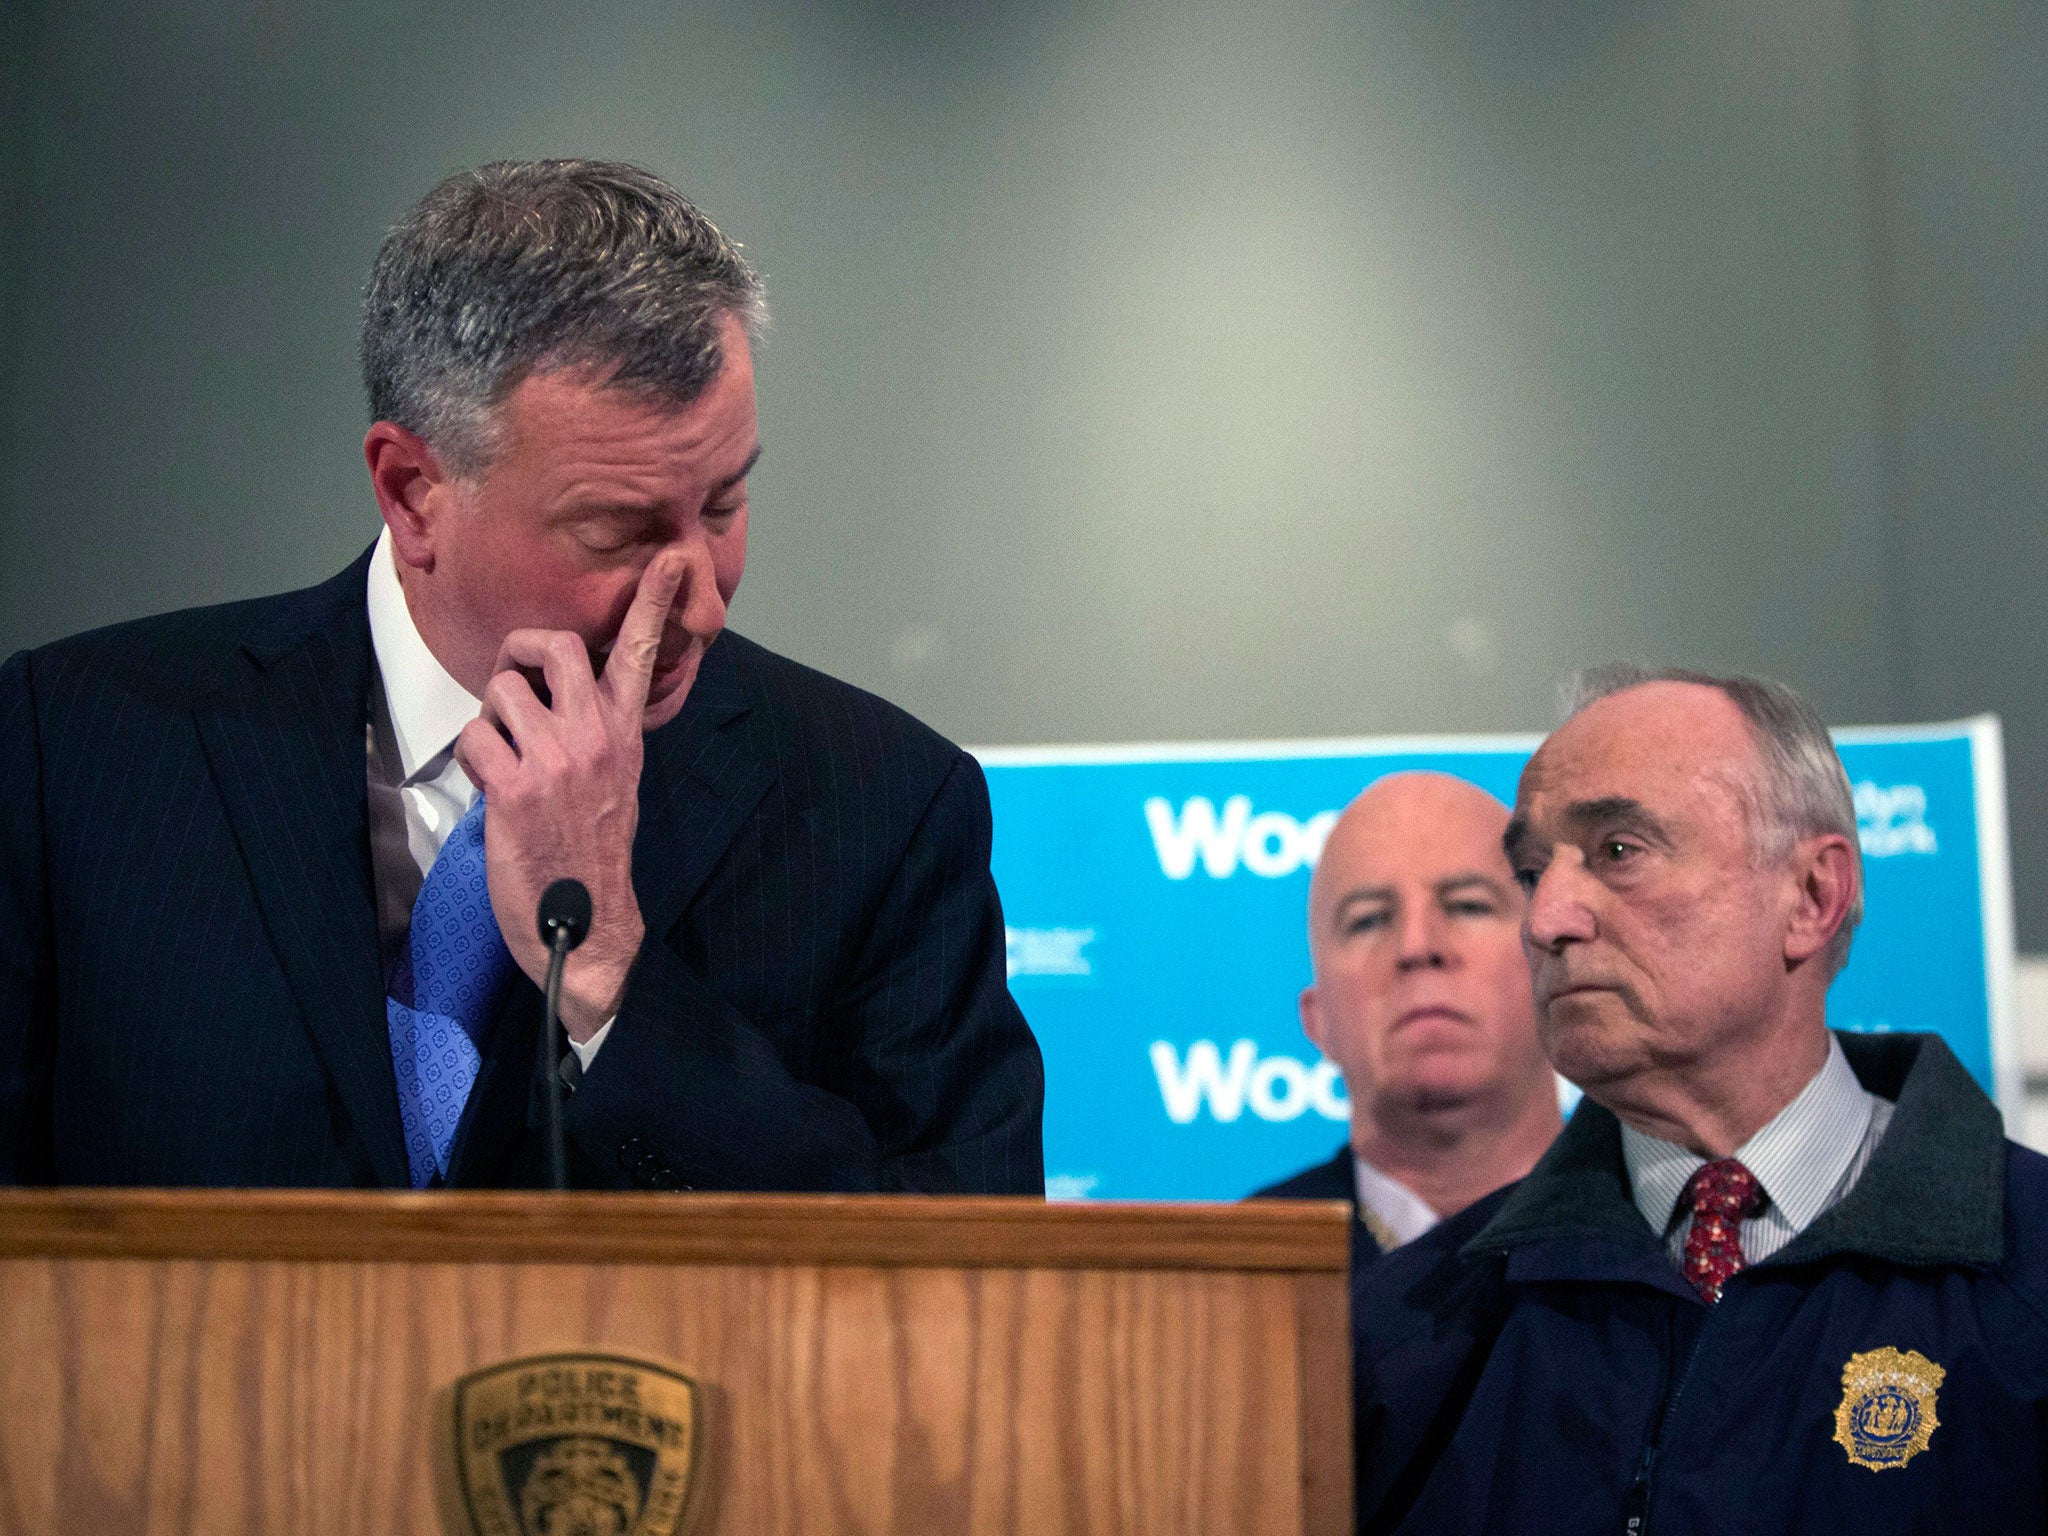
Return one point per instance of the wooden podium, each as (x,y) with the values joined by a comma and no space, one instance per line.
(269,1362)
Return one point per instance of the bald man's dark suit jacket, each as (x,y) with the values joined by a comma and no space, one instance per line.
(190,988)
(1335,1180)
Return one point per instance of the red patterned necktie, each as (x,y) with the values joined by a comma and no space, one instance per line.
(1721,1195)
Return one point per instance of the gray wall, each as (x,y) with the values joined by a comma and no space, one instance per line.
(1139,370)
(1961,123)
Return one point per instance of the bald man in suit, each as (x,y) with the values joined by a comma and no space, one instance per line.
(1422,997)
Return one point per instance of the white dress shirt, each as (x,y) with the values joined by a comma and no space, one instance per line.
(1808,1157)
(418,792)
(1391,1211)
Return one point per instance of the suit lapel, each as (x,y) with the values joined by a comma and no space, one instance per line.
(703,775)
(286,748)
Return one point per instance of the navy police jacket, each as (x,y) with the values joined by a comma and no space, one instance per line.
(1537,1364)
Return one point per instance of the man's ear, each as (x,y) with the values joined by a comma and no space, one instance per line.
(410,483)
(1312,1018)
(1825,867)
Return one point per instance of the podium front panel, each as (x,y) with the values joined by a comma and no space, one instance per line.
(270,1362)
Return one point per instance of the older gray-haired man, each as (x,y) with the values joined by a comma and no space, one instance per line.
(1769,1278)
(256,924)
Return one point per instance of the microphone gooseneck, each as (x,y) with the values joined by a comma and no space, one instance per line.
(564,920)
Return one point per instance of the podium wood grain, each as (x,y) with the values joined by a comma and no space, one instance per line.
(266,1363)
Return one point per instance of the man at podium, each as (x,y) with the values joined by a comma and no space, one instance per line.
(271,869)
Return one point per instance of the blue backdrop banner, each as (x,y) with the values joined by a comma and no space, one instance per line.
(1156,903)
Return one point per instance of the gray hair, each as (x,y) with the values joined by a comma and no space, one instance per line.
(520,267)
(1802,789)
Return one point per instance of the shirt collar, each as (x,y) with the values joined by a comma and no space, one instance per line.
(1933,1193)
(428,707)
(1405,1214)
(1799,1157)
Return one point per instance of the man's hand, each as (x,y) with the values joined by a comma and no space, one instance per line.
(562,780)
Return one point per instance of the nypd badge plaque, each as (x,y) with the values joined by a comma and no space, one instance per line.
(1886,1415)
(550,1444)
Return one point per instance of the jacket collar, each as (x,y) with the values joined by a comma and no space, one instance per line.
(1934,1192)
(338,604)
(1578,1193)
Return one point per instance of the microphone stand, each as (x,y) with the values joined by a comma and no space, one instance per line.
(564,921)
(549,1065)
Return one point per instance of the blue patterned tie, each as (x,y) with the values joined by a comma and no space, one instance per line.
(446,988)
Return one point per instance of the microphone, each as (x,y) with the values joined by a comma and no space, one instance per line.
(565,910)
(564,923)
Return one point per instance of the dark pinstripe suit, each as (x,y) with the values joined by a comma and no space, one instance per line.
(189,981)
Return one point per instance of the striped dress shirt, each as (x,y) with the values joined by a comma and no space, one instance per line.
(1808,1157)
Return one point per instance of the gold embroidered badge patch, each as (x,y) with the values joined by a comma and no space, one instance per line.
(1887,1412)
(568,1443)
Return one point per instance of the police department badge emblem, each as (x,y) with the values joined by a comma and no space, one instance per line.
(567,1445)
(1886,1415)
